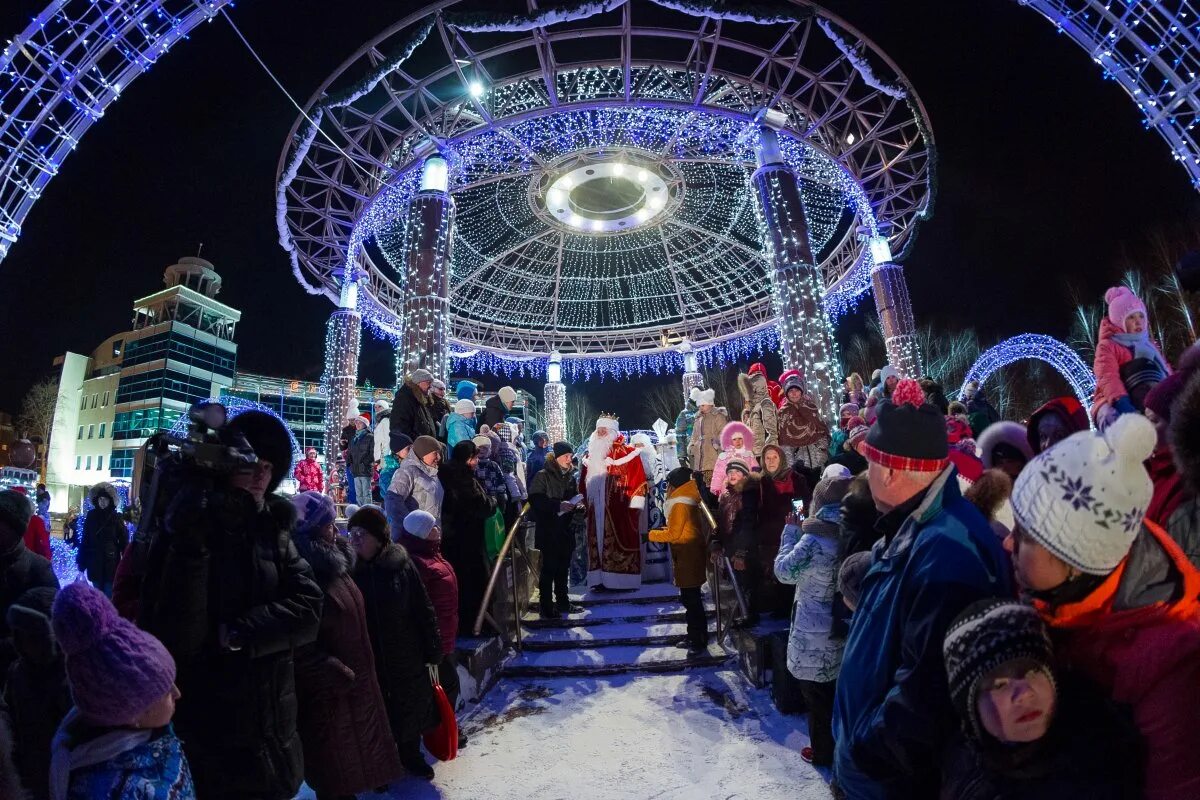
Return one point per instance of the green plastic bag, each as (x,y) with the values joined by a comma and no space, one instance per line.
(493,534)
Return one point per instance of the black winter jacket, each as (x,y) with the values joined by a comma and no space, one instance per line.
(465,509)
(412,414)
(494,411)
(20,570)
(362,455)
(37,698)
(104,539)
(226,563)
(549,488)
(404,638)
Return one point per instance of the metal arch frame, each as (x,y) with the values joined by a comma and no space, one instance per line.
(824,103)
(1160,72)
(60,74)
(1043,348)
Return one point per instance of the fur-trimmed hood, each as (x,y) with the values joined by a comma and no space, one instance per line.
(728,432)
(753,388)
(106,488)
(1003,432)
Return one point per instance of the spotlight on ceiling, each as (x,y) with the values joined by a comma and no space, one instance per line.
(850,138)
(643,175)
(618,168)
(476,89)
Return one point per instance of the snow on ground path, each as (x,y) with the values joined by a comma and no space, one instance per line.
(697,735)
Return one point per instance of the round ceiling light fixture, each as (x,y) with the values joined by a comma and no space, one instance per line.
(607,197)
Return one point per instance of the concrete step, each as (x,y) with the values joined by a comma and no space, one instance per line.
(610,660)
(647,633)
(611,613)
(646,593)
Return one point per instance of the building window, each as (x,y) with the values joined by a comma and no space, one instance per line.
(78,462)
(88,462)
(95,397)
(104,402)
(80,436)
(102,424)
(91,431)
(100,462)
(83,403)
(120,463)
(117,348)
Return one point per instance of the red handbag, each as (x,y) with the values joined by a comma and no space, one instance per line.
(442,740)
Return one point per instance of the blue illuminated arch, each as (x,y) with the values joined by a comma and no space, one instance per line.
(1042,348)
(237,405)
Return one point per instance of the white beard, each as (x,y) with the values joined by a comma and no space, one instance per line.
(598,450)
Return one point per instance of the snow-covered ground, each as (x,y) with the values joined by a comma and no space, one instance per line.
(697,735)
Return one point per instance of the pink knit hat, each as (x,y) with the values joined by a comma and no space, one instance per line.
(116,670)
(1121,303)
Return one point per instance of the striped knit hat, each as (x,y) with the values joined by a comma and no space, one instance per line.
(986,635)
(909,434)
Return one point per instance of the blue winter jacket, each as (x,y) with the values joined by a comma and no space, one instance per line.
(536,461)
(892,711)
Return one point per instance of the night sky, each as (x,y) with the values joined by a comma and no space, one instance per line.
(1045,175)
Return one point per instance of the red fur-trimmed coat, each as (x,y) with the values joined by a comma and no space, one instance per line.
(309,476)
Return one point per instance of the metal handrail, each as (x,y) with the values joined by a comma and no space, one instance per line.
(737,590)
(491,586)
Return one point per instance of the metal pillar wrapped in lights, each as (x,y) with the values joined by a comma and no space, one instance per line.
(556,400)
(805,335)
(343,334)
(895,309)
(692,379)
(430,232)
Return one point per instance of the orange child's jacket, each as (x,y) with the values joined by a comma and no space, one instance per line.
(689,550)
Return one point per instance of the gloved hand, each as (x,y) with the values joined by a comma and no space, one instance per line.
(1123,405)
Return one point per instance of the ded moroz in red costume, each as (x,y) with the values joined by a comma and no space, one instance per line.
(613,482)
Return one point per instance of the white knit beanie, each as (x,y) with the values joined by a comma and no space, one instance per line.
(464,407)
(1084,499)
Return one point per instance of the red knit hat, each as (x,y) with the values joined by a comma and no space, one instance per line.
(909,434)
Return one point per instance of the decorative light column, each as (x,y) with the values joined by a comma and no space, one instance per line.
(556,400)
(895,309)
(343,335)
(430,233)
(805,335)
(692,379)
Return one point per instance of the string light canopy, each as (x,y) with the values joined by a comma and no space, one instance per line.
(599,157)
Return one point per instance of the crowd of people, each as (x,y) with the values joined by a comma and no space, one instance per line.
(977,608)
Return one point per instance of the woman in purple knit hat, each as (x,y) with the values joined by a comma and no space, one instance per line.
(117,743)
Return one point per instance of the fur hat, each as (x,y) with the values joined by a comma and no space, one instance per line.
(465,407)
(313,511)
(1121,303)
(419,523)
(424,445)
(420,376)
(1085,497)
(116,670)
(990,491)
(732,429)
(791,380)
(270,440)
(694,393)
(15,511)
(987,635)
(705,397)
(465,390)
(679,477)
(508,395)
(909,434)
(1010,436)
(372,520)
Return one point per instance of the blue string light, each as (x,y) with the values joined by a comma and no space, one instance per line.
(1042,348)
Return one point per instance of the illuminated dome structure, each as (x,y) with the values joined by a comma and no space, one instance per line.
(609,188)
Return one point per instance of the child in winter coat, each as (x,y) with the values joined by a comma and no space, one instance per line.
(808,558)
(1029,732)
(461,426)
(846,413)
(36,694)
(738,443)
(1118,594)
(737,534)
(1128,362)
(688,552)
(117,743)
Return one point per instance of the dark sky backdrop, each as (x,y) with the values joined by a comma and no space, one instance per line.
(1045,174)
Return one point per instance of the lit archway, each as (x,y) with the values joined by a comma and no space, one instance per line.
(1042,348)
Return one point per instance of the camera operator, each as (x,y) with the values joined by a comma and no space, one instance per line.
(229,596)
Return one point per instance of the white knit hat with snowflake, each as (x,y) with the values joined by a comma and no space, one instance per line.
(1084,499)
